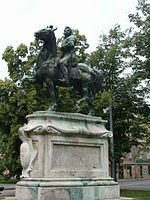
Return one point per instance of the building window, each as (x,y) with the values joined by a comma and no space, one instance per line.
(148,155)
(149,170)
(129,170)
(141,171)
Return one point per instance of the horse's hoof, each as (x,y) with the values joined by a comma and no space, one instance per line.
(78,109)
(50,110)
(91,113)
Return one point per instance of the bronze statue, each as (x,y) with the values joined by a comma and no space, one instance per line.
(67,57)
(50,69)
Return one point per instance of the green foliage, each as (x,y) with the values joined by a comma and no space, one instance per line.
(21,60)
(101,102)
(129,111)
(110,56)
(64,101)
(141,41)
(15,60)
(81,47)
(129,107)
(14,108)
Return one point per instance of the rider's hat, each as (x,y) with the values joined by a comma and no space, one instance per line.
(67,27)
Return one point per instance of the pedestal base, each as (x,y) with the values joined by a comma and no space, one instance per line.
(67,190)
(65,157)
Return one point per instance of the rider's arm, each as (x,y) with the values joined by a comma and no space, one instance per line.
(68,45)
(71,43)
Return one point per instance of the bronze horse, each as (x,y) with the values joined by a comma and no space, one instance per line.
(88,81)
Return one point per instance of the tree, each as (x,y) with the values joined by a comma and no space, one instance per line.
(14,108)
(121,92)
(141,43)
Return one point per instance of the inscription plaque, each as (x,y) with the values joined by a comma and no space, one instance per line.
(72,157)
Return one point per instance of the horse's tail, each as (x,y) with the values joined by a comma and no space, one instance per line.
(96,76)
(97,81)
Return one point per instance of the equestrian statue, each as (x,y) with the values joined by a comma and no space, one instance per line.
(63,71)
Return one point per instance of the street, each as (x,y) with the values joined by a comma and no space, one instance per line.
(135,184)
(9,190)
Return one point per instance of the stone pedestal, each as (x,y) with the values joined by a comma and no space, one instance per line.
(65,157)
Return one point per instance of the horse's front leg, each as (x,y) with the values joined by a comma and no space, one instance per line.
(23,80)
(50,86)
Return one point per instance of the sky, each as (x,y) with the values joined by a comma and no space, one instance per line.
(21,18)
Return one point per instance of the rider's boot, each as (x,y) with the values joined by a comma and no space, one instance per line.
(65,78)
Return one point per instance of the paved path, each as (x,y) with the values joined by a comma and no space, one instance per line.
(11,186)
(9,190)
(135,184)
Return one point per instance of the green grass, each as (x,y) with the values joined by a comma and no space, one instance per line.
(135,194)
(5,181)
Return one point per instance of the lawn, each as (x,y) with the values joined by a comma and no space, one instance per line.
(136,194)
(10,181)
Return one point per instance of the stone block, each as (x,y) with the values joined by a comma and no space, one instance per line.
(65,157)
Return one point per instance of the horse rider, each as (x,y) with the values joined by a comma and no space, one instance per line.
(67,57)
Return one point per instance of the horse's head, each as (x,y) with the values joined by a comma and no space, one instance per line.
(45,34)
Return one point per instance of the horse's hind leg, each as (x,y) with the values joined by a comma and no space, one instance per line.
(90,104)
(84,98)
(50,86)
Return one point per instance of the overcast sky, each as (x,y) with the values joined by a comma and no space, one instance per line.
(21,18)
